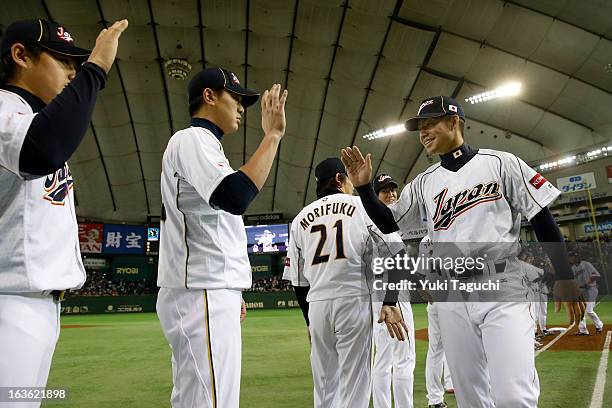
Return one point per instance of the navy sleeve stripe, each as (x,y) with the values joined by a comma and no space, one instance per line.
(234,194)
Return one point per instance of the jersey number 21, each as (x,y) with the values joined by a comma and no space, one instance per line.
(321,228)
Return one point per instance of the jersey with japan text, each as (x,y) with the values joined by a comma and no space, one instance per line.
(481,202)
(201,247)
(330,248)
(39,249)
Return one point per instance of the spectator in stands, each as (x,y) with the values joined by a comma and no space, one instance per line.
(98,284)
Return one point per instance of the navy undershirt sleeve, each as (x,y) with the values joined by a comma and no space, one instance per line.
(394,276)
(234,194)
(548,234)
(300,293)
(58,129)
(377,210)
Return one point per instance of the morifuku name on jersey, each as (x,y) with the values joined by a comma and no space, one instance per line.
(447,210)
(327,209)
(424,284)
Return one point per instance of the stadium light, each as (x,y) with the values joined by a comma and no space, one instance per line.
(579,158)
(388,131)
(509,89)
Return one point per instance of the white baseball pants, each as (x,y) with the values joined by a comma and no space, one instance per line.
(541,311)
(435,364)
(203,330)
(489,350)
(394,362)
(29,329)
(591,297)
(341,351)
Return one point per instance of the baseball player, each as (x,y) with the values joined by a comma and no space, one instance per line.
(535,276)
(539,304)
(267,241)
(587,276)
(542,304)
(437,374)
(328,240)
(203,261)
(394,360)
(477,196)
(46,101)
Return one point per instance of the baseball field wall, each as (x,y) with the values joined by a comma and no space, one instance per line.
(146,303)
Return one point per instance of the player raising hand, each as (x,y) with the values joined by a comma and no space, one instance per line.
(328,240)
(476,198)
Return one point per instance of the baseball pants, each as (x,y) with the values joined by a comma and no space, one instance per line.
(435,364)
(202,327)
(490,353)
(394,362)
(591,297)
(30,327)
(341,351)
(541,310)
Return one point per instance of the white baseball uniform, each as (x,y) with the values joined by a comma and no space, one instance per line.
(39,253)
(394,360)
(583,271)
(542,312)
(539,303)
(203,267)
(328,241)
(437,374)
(481,203)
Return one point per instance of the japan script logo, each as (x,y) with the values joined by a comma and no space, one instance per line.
(58,185)
(449,209)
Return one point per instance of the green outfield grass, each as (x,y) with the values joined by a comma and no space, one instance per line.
(124,362)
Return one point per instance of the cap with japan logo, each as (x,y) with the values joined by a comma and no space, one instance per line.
(383,180)
(218,78)
(435,107)
(46,34)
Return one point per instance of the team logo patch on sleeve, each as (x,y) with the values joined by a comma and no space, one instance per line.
(537,181)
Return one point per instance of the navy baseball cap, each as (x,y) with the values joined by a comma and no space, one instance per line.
(45,34)
(383,180)
(218,78)
(435,107)
(328,168)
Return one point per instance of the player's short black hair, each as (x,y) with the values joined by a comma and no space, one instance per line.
(8,66)
(461,123)
(462,126)
(330,184)
(194,106)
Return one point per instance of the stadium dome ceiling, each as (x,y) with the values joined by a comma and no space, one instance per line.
(350,66)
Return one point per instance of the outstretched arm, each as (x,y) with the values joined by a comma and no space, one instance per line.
(565,288)
(359,170)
